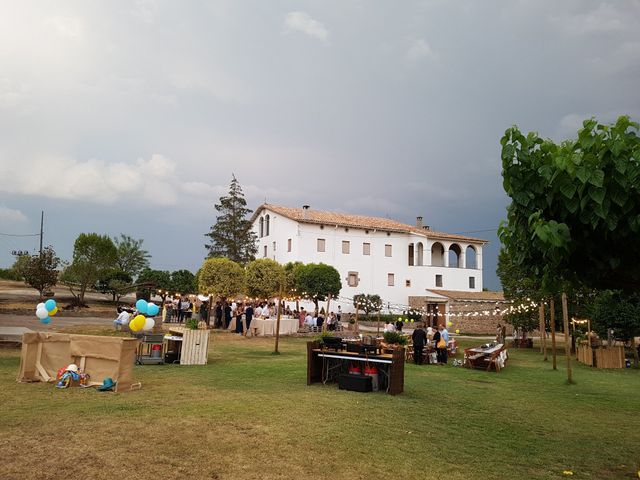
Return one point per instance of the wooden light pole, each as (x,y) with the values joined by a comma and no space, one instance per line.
(567,342)
(552,312)
(543,333)
(378,334)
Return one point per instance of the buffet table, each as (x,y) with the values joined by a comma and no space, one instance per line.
(262,327)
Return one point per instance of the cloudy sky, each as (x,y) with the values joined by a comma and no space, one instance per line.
(131,117)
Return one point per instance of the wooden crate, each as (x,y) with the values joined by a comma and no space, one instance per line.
(610,357)
(195,346)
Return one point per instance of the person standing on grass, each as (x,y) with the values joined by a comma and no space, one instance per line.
(218,315)
(227,315)
(248,316)
(419,338)
(239,312)
(441,338)
(301,317)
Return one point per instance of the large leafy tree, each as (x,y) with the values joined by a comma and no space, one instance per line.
(131,258)
(367,302)
(574,216)
(151,282)
(184,281)
(40,271)
(115,283)
(575,210)
(231,236)
(265,278)
(221,278)
(93,256)
(318,280)
(19,266)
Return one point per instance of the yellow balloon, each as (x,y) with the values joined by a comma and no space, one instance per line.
(137,323)
(457,331)
(53,312)
(451,324)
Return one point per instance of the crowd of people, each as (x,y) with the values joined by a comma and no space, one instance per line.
(431,338)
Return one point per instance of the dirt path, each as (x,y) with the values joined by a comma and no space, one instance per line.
(12,320)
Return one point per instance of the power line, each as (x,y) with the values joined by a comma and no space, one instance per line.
(478,231)
(17,235)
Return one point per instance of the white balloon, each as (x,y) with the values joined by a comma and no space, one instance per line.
(42,313)
(40,305)
(149,323)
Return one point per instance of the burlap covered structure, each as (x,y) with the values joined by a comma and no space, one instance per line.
(101,357)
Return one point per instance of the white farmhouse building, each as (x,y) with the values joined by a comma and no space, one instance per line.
(373,255)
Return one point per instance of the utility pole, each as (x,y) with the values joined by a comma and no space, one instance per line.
(41,230)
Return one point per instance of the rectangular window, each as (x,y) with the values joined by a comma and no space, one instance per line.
(438,280)
(289,245)
(274,246)
(352,279)
(390,279)
(366,249)
(265,252)
(472,282)
(346,246)
(407,283)
(321,244)
(387,250)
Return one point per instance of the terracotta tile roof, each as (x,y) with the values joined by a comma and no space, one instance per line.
(472,296)
(321,217)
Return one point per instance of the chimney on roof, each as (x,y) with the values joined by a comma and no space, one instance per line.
(305,210)
(427,227)
(419,222)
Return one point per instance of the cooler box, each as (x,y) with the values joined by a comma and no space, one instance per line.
(355,383)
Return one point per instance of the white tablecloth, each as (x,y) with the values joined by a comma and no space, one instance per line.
(266,327)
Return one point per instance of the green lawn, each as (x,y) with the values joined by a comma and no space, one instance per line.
(249,414)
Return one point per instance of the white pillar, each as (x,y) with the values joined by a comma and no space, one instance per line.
(446,257)
(463,258)
(479,258)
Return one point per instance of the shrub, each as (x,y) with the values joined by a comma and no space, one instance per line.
(395,338)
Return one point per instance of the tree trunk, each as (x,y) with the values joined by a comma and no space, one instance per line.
(278,324)
(324,324)
(567,341)
(552,312)
(542,329)
(378,334)
(356,327)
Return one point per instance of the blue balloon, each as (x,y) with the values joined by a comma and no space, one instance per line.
(152,309)
(50,304)
(45,320)
(141,306)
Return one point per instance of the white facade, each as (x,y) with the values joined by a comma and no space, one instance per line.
(288,240)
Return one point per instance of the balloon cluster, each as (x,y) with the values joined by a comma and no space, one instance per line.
(140,322)
(46,310)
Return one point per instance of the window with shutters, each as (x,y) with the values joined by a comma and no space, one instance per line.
(352,279)
(346,246)
(390,279)
(366,248)
(321,244)
(387,250)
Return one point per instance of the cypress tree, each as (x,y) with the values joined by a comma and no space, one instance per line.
(231,236)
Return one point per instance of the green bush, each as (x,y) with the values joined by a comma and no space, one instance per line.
(9,274)
(395,337)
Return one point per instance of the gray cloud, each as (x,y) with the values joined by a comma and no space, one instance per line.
(128,114)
